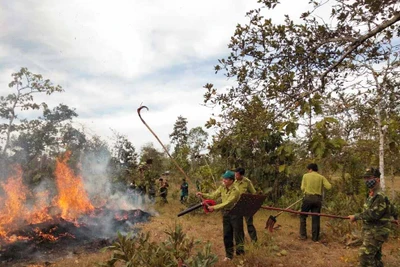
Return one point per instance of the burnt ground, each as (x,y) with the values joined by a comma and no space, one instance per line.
(52,239)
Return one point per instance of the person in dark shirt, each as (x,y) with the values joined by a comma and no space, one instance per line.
(184,190)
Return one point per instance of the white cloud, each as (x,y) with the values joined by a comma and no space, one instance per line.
(112,56)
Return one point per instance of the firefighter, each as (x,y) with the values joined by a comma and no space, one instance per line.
(375,216)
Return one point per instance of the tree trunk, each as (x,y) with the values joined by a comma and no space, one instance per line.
(381,149)
(392,182)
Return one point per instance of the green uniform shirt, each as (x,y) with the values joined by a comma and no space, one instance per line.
(313,182)
(376,211)
(229,197)
(245,186)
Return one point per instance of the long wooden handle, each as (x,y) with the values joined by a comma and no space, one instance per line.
(165,149)
(305,213)
(279,213)
(314,213)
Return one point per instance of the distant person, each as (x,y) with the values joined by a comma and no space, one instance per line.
(141,190)
(246,186)
(163,190)
(232,224)
(198,185)
(132,192)
(375,217)
(184,190)
(312,186)
(152,192)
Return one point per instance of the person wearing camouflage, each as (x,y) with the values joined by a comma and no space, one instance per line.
(232,225)
(375,216)
(245,185)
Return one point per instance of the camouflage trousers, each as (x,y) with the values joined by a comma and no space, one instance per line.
(370,254)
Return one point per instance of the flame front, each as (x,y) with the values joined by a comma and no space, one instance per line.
(72,197)
(71,202)
(13,205)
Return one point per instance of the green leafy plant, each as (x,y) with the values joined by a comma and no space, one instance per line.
(342,205)
(177,250)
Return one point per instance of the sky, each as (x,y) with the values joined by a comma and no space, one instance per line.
(110,57)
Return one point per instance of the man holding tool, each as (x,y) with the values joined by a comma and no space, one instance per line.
(312,186)
(376,217)
(245,185)
(232,224)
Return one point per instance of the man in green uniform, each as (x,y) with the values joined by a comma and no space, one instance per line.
(246,186)
(376,215)
(312,185)
(232,224)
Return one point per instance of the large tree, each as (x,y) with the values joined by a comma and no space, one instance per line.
(26,84)
(297,67)
(179,135)
(294,65)
(42,139)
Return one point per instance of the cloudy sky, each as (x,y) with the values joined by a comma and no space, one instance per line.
(112,56)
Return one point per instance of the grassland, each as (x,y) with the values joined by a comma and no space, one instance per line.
(280,248)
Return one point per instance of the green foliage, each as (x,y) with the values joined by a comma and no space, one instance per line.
(26,84)
(343,205)
(298,71)
(181,156)
(323,143)
(159,161)
(204,177)
(259,144)
(140,251)
(179,135)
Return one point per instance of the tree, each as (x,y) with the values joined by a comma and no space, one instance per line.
(295,66)
(197,141)
(124,157)
(41,139)
(254,139)
(374,98)
(297,69)
(179,135)
(26,84)
(153,164)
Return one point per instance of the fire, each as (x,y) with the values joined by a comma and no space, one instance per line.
(19,206)
(72,197)
(13,205)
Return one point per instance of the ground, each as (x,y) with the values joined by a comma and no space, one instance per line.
(280,248)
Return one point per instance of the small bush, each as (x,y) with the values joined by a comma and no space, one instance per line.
(177,250)
(342,205)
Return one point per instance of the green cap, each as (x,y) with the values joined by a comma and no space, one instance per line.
(371,172)
(229,175)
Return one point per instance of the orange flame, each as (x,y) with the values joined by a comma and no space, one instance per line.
(72,197)
(71,202)
(13,206)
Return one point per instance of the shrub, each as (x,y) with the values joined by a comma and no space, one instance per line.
(177,250)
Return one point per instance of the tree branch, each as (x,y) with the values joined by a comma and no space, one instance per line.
(355,44)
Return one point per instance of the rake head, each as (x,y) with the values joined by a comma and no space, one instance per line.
(270,223)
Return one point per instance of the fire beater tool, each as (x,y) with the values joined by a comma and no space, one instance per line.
(165,149)
(314,213)
(272,219)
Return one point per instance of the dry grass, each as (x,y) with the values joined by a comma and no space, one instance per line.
(280,248)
